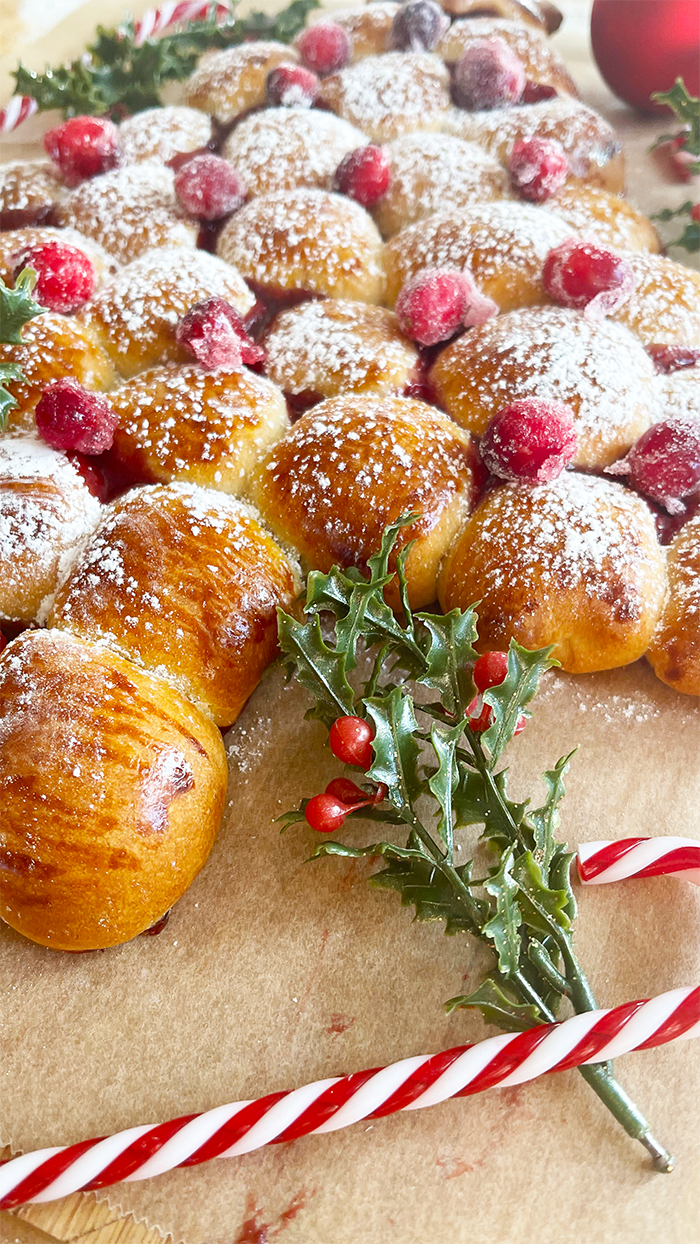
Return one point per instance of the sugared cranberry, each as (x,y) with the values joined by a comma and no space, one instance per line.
(324,47)
(530,441)
(68,417)
(665,462)
(83,147)
(292,86)
(538,167)
(489,75)
(535,92)
(490,670)
(65,276)
(215,334)
(673,358)
(418,26)
(209,187)
(437,301)
(350,740)
(363,175)
(583,274)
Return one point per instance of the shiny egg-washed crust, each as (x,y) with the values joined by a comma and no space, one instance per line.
(541,63)
(14,241)
(594,152)
(436,173)
(229,82)
(135,315)
(368,26)
(161,133)
(46,512)
(29,193)
(390,95)
(503,244)
(185,423)
(674,652)
(329,347)
(306,240)
(610,220)
(112,788)
(186,584)
(285,148)
(129,211)
(354,464)
(597,368)
(53,346)
(575,564)
(664,307)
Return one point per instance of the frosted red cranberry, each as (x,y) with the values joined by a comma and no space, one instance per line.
(583,274)
(83,147)
(69,417)
(214,333)
(65,276)
(418,26)
(364,175)
(490,670)
(530,441)
(664,464)
(324,47)
(489,75)
(209,187)
(673,358)
(538,167)
(437,301)
(292,86)
(350,740)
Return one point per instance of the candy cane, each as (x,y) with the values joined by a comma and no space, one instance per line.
(154,22)
(600,862)
(327,1105)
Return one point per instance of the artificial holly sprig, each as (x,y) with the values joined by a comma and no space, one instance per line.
(447,751)
(17,307)
(117,76)
(686,148)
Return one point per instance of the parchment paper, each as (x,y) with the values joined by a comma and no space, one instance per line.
(273,972)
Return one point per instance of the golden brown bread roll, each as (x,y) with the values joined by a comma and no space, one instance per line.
(598,368)
(368,26)
(112,788)
(540,61)
(135,315)
(161,133)
(386,96)
(305,240)
(436,173)
(14,241)
(354,464)
(229,82)
(129,211)
(610,220)
(185,583)
(503,244)
(186,423)
(678,393)
(575,563)
(664,307)
(29,193)
(53,346)
(46,513)
(284,148)
(327,347)
(674,651)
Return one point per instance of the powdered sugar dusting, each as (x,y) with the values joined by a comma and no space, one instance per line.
(678,394)
(286,147)
(129,211)
(437,172)
(161,133)
(541,62)
(28,186)
(231,81)
(664,307)
(391,94)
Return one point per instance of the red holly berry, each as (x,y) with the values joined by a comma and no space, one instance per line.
(481,717)
(325,813)
(538,167)
(530,441)
(489,75)
(350,740)
(695,212)
(83,147)
(324,47)
(209,187)
(434,303)
(215,334)
(353,796)
(583,274)
(490,670)
(292,86)
(68,417)
(364,175)
(665,462)
(673,358)
(66,277)
(418,26)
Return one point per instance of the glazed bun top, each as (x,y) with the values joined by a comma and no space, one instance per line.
(282,148)
(386,96)
(129,211)
(159,134)
(229,82)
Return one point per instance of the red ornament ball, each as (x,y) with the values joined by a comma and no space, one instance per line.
(642,46)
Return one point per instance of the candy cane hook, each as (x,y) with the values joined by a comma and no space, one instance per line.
(601,862)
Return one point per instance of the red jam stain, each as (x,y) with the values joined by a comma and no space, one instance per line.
(339,1024)
(156,928)
(253,1231)
(453,1167)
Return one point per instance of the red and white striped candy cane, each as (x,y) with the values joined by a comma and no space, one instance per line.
(19,109)
(327,1105)
(600,862)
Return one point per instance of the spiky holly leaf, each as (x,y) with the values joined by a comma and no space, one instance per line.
(541,906)
(497,1007)
(318,668)
(545,821)
(17,307)
(687,109)
(8,372)
(503,927)
(508,699)
(443,781)
(450,655)
(395,747)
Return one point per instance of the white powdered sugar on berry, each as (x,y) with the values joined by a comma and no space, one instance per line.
(161,133)
(282,148)
(587,139)
(541,62)
(389,95)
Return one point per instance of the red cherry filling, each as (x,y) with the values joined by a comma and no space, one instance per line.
(530,441)
(490,670)
(538,167)
(418,26)
(673,358)
(583,274)
(214,333)
(363,175)
(534,92)
(83,147)
(209,187)
(70,418)
(437,301)
(350,740)
(489,75)
(292,86)
(324,47)
(65,276)
(665,462)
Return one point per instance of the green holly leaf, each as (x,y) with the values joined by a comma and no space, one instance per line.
(509,698)
(541,906)
(317,667)
(8,372)
(450,656)
(497,1007)
(17,307)
(503,927)
(395,747)
(687,109)
(444,781)
(545,821)
(560,878)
